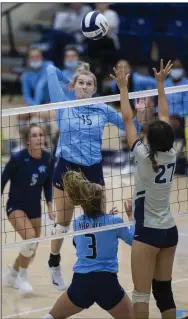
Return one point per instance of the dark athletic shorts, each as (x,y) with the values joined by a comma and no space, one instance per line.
(31,209)
(100,287)
(93,173)
(159,238)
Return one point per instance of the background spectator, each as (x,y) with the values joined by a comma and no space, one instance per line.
(35,92)
(113,22)
(70,21)
(71,61)
(137,82)
(178,102)
(34,82)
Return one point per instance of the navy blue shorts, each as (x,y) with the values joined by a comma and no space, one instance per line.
(100,287)
(93,173)
(159,238)
(32,210)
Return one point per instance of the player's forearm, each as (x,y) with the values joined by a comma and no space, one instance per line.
(55,90)
(126,109)
(162,101)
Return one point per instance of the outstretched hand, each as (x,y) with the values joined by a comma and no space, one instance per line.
(128,208)
(164,72)
(120,77)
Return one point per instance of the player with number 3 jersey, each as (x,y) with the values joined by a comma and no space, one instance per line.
(29,172)
(95,271)
(156,234)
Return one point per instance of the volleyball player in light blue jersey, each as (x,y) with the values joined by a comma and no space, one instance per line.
(79,148)
(95,271)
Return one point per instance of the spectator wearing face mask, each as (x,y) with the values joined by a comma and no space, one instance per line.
(178,107)
(35,92)
(71,62)
(34,82)
(178,102)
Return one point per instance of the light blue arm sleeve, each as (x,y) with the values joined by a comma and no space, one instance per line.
(125,233)
(61,76)
(40,90)
(54,86)
(26,91)
(114,117)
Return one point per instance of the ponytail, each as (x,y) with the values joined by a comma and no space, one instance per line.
(152,155)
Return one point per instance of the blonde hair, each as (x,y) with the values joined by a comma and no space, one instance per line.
(84,193)
(84,68)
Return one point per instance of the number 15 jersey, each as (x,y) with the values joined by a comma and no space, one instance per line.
(151,199)
(98,251)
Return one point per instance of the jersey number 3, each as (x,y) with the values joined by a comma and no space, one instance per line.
(160,179)
(92,246)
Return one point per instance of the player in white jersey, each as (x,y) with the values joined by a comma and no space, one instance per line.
(156,234)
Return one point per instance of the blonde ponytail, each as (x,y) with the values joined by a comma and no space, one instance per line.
(83,67)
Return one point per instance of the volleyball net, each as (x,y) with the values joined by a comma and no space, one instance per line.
(118,162)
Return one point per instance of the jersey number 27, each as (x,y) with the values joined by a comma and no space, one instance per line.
(163,169)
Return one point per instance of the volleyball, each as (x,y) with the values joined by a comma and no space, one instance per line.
(94,25)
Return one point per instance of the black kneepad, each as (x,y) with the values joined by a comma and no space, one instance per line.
(162,292)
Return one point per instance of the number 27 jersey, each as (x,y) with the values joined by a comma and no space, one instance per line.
(151,198)
(97,251)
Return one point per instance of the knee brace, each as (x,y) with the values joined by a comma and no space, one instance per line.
(162,292)
(140,297)
(59,229)
(28,250)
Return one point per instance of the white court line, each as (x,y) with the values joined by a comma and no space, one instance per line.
(47,308)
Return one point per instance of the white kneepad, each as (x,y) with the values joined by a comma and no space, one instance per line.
(28,250)
(59,229)
(140,297)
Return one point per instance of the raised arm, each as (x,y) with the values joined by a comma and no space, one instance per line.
(115,117)
(54,86)
(163,109)
(26,90)
(127,113)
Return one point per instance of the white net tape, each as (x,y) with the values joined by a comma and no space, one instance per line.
(77,233)
(95,100)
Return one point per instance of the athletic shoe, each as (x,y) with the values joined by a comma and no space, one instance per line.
(9,279)
(57,278)
(23,285)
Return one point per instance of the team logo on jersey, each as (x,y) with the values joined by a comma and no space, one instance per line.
(26,160)
(42,169)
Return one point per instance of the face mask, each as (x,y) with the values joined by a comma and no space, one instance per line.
(36,65)
(176,73)
(71,65)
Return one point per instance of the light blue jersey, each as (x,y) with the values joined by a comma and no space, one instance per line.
(34,85)
(81,128)
(98,251)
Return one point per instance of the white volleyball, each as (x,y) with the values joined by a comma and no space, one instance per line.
(94,25)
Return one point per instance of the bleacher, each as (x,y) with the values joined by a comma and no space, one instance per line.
(147,32)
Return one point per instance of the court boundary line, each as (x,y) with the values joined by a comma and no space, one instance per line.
(47,308)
